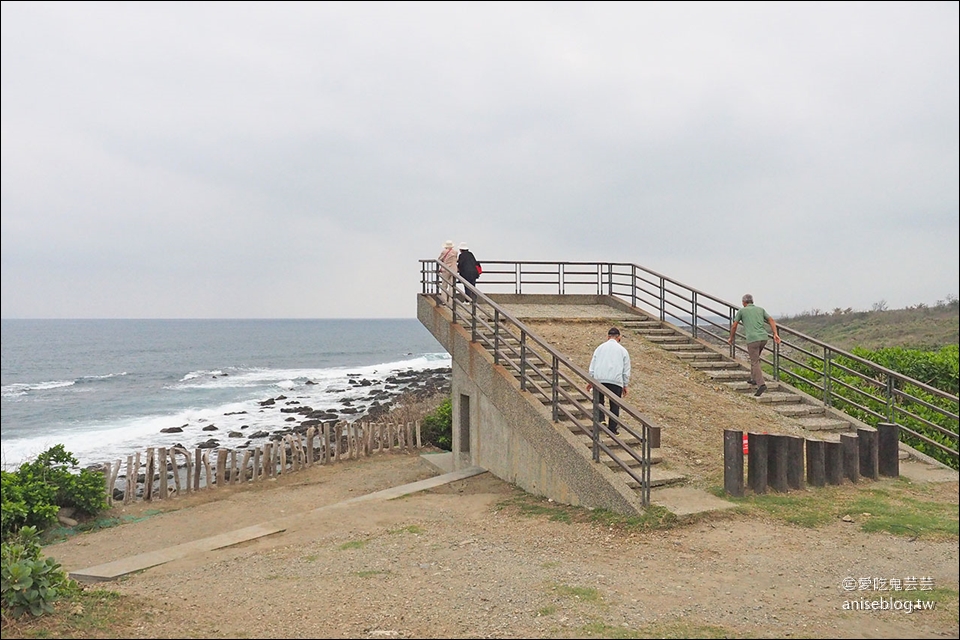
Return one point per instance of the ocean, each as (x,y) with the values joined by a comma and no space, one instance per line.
(105,388)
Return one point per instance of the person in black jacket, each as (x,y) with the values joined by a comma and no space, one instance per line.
(467,267)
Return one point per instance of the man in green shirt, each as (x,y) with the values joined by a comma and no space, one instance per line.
(754,321)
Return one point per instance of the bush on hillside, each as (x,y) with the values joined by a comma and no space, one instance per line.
(34,493)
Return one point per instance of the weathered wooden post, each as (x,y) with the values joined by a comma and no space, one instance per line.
(816,473)
(757,462)
(868,453)
(833,462)
(794,461)
(888,449)
(198,455)
(130,486)
(851,456)
(777,463)
(733,462)
(243,465)
(148,478)
(221,467)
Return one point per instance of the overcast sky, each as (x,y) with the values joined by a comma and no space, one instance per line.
(221,160)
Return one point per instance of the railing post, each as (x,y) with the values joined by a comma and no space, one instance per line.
(596,425)
(826,376)
(555,390)
(523,360)
(890,386)
(473,318)
(693,314)
(776,360)
(733,345)
(663,299)
(560,277)
(496,336)
(633,285)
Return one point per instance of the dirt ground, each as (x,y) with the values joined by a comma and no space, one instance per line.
(463,560)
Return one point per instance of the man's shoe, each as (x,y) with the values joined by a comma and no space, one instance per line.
(760,390)
(751,381)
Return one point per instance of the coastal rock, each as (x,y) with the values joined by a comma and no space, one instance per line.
(172,430)
(210,427)
(208,444)
(268,402)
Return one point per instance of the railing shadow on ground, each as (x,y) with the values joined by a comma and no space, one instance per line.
(927,417)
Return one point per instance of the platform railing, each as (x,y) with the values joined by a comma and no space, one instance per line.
(927,416)
(549,375)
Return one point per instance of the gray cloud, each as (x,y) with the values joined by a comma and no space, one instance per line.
(296,160)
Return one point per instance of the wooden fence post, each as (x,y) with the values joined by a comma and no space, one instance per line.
(198,456)
(130,489)
(851,456)
(777,463)
(888,449)
(794,461)
(833,462)
(757,462)
(148,476)
(733,462)
(816,472)
(868,453)
(162,491)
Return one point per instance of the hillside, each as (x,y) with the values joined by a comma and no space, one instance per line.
(919,327)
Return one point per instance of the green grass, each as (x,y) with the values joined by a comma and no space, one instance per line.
(584,594)
(414,529)
(529,505)
(353,544)
(371,573)
(897,507)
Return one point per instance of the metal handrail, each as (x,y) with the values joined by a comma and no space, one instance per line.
(709,319)
(547,374)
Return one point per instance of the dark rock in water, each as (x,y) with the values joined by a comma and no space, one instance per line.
(172,430)
(210,427)
(281,397)
(309,382)
(233,413)
(290,419)
(234,434)
(208,444)
(259,434)
(268,402)
(349,410)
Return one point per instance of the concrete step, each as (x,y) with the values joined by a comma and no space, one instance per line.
(772,396)
(654,331)
(629,460)
(799,409)
(683,347)
(715,365)
(823,423)
(659,477)
(730,375)
(669,339)
(702,354)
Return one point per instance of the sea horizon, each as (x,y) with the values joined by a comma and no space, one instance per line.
(104,388)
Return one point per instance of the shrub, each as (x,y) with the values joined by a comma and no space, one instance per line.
(30,583)
(33,494)
(438,426)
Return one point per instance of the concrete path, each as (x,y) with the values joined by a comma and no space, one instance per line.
(124,566)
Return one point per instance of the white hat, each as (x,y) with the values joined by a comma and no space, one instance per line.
(448,244)
(463,247)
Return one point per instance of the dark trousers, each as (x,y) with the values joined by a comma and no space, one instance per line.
(469,292)
(614,406)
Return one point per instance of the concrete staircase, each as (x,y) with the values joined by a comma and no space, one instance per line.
(659,477)
(804,411)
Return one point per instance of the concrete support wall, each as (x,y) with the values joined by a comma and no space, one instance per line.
(511,432)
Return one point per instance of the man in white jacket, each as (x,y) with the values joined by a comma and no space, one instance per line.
(610,366)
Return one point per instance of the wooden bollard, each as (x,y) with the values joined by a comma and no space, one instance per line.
(733,462)
(833,462)
(130,488)
(851,456)
(888,449)
(816,474)
(419,438)
(176,472)
(198,455)
(868,453)
(244,465)
(777,463)
(794,461)
(208,470)
(148,476)
(162,492)
(757,462)
(221,467)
